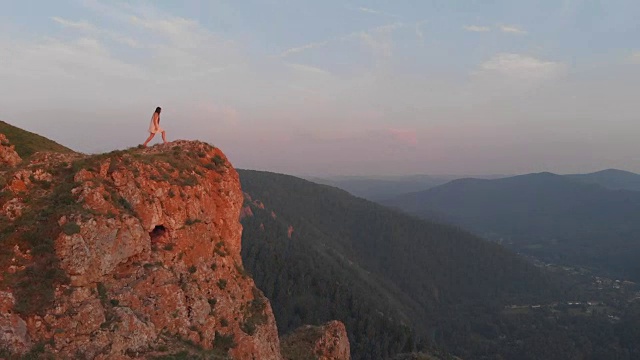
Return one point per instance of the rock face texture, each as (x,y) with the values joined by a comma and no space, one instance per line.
(128,255)
(326,342)
(8,154)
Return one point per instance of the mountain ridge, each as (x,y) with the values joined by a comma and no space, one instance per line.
(541,208)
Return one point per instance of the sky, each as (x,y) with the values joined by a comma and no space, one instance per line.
(330,87)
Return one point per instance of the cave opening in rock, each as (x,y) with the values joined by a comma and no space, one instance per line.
(158,232)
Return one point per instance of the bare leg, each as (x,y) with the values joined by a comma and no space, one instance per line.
(148,139)
(164,137)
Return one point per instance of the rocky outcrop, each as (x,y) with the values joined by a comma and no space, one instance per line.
(326,342)
(13,329)
(8,154)
(129,255)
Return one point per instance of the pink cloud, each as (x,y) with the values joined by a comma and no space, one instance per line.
(404,136)
(224,113)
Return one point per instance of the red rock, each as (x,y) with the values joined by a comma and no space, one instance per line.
(8,154)
(326,342)
(13,329)
(246,212)
(126,298)
(12,209)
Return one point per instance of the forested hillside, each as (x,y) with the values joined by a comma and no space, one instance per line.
(320,253)
(553,217)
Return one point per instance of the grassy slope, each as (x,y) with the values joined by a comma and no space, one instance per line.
(28,143)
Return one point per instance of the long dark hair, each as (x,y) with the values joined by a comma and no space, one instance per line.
(158,112)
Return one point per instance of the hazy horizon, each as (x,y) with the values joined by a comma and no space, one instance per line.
(327,89)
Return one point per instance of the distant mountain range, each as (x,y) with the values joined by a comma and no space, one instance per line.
(385,188)
(611,179)
(577,219)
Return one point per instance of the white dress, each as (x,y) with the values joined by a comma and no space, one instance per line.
(152,128)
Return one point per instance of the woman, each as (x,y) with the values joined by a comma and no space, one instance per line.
(155,128)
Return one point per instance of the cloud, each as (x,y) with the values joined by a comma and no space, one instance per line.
(217,113)
(476,28)
(80,25)
(88,28)
(377,39)
(404,136)
(178,48)
(361,137)
(520,67)
(179,31)
(308,69)
(373,11)
(368,10)
(79,59)
(303,48)
(634,57)
(512,30)
(178,60)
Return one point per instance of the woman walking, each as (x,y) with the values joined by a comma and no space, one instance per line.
(155,128)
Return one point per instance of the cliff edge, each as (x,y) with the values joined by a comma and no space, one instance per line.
(127,255)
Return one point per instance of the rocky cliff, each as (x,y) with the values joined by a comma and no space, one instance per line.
(326,342)
(127,255)
(8,154)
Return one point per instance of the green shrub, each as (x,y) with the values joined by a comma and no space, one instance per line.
(218,160)
(190,181)
(254,313)
(224,342)
(190,222)
(124,203)
(70,228)
(222,284)
(102,292)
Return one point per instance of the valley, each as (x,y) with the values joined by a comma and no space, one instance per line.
(481,319)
